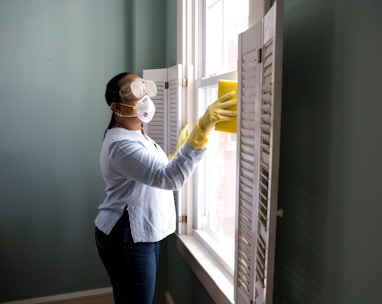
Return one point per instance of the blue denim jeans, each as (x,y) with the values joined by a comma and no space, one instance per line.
(130,266)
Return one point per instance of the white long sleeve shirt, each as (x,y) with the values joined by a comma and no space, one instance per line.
(140,178)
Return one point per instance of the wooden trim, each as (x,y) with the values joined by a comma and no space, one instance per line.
(95,296)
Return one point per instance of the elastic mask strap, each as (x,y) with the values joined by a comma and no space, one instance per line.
(127,105)
(120,115)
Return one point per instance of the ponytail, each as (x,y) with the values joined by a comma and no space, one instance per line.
(111,123)
(112,95)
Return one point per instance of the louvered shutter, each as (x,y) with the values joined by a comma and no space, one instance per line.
(259,114)
(157,128)
(166,124)
(174,123)
(174,105)
(249,78)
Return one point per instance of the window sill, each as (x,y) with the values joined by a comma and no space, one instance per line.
(217,282)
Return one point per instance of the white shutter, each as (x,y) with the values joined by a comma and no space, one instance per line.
(157,128)
(174,105)
(166,124)
(174,124)
(259,115)
(250,43)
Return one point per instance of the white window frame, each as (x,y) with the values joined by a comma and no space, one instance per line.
(216,279)
(220,284)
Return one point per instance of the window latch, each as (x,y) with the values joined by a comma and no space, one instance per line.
(182,219)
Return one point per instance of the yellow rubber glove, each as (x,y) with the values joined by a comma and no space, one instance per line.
(182,137)
(216,112)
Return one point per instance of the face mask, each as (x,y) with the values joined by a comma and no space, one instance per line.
(145,109)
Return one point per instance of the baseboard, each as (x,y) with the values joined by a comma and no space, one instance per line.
(95,296)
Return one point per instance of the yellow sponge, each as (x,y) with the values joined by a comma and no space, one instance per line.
(225,86)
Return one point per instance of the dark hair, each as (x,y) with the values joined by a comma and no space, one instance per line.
(112,94)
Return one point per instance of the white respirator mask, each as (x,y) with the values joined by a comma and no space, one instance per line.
(145,109)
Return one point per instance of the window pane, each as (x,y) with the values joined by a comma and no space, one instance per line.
(224,20)
(220,198)
(219,178)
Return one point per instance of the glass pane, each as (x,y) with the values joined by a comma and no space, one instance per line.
(224,20)
(219,170)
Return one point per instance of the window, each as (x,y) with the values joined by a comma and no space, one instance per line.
(218,28)
(228,213)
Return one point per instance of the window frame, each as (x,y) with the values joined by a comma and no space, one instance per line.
(215,278)
(207,238)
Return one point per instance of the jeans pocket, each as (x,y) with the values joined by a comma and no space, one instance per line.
(102,239)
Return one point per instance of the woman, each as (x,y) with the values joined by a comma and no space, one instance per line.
(138,210)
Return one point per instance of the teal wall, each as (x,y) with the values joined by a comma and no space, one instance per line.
(153,30)
(171,33)
(329,246)
(55,59)
(148,39)
(184,286)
